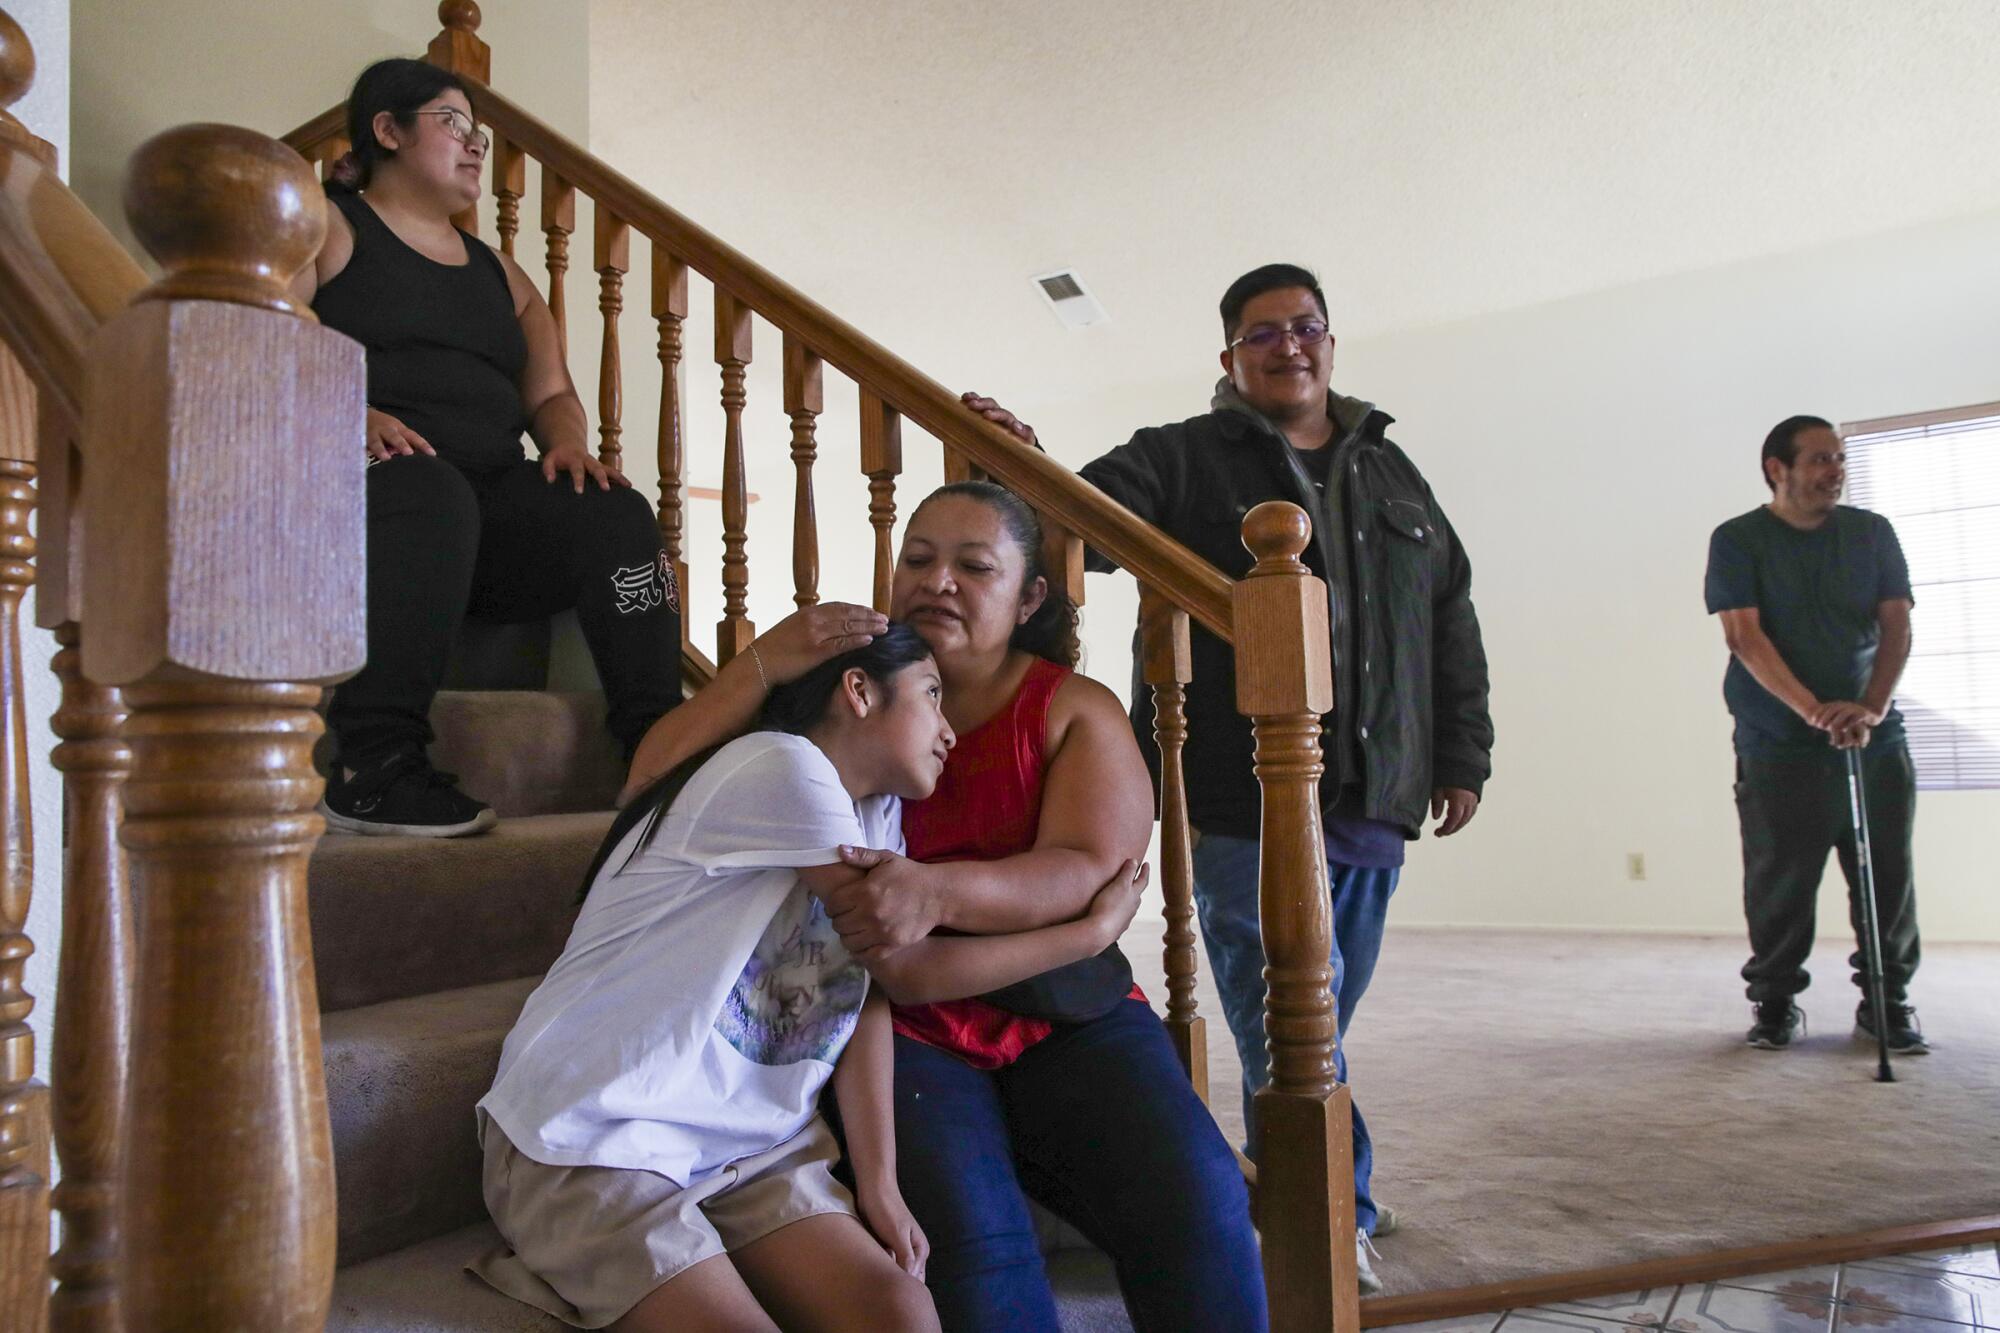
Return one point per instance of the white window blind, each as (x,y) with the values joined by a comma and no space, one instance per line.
(1937,478)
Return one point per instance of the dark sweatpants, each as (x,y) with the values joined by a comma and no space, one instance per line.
(504,546)
(1794,810)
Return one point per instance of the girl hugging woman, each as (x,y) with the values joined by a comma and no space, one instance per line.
(655,1156)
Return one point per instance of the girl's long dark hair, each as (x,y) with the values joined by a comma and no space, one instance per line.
(1051,632)
(399,87)
(794,708)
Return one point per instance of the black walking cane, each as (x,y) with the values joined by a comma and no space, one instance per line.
(1872,942)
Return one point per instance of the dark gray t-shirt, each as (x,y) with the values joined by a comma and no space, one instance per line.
(1816,595)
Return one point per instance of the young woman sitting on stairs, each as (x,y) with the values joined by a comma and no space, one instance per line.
(1065,1088)
(463,357)
(654,1152)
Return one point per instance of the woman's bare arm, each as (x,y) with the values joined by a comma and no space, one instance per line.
(726,707)
(952,967)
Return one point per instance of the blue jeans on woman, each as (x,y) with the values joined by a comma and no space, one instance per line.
(1098,1123)
(1225,894)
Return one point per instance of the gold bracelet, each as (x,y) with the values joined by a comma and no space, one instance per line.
(759,662)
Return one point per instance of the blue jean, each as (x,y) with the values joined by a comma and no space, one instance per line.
(1225,894)
(1099,1124)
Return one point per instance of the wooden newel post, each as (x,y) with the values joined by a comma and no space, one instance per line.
(221,586)
(459,48)
(1305,1195)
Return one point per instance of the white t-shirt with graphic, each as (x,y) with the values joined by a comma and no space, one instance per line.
(703,997)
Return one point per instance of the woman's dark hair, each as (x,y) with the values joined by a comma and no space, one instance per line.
(399,87)
(794,708)
(1783,443)
(1051,632)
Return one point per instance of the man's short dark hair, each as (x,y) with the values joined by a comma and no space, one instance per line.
(1270,278)
(1783,443)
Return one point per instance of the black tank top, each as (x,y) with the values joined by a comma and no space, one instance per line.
(445,350)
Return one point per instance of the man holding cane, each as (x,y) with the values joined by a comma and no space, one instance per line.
(1814,599)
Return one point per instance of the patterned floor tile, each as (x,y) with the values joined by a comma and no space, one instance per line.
(1814,1283)
(1982,1260)
(1641,1309)
(1555,1321)
(1964,1298)
(1718,1309)
(1860,1319)
(1465,1323)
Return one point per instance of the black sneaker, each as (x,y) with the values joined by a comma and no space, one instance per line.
(404,796)
(1778,1021)
(1905,1037)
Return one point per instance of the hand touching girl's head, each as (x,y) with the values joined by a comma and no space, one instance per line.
(877,711)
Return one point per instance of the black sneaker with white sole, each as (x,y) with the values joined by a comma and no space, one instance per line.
(404,796)
(1905,1037)
(1778,1022)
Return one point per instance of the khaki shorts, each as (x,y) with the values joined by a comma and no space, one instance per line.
(591,1242)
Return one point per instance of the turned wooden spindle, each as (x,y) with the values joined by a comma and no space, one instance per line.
(558,221)
(612,257)
(732,352)
(957,467)
(93,1041)
(1305,1194)
(882,463)
(221,587)
(24,1147)
(805,399)
(1062,561)
(458,47)
(1169,666)
(510,182)
(670,308)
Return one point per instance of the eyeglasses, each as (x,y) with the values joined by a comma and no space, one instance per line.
(460,127)
(1306,333)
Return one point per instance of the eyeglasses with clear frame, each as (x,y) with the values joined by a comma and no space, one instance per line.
(460,127)
(1264,337)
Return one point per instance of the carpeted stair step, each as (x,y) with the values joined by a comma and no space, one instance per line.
(402,1078)
(528,752)
(425,1289)
(393,917)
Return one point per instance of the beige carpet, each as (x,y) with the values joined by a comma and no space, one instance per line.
(1545,1101)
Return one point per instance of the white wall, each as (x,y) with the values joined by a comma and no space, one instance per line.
(1584,450)
(141,69)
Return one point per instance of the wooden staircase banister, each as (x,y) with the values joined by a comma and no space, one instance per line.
(62,274)
(1180,576)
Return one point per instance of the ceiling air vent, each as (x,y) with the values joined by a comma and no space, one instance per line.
(1070,299)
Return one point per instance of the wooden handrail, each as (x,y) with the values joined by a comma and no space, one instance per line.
(62,274)
(1183,578)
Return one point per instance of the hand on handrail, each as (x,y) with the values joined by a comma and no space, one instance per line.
(1000,416)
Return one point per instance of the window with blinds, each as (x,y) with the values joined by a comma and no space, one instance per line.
(1937,478)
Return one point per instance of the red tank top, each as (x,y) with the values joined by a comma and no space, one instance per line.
(988,805)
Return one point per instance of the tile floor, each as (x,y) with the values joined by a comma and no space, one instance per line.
(1937,1291)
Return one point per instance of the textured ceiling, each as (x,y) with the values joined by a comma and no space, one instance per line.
(910,165)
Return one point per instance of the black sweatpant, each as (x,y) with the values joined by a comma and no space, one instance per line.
(1793,811)
(504,546)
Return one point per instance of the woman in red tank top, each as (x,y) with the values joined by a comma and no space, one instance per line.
(1042,799)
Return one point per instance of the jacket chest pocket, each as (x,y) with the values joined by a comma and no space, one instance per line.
(1218,533)
(1408,545)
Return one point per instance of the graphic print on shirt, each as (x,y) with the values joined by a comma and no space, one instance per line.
(640,588)
(800,994)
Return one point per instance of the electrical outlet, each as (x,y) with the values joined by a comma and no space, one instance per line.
(1635,865)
